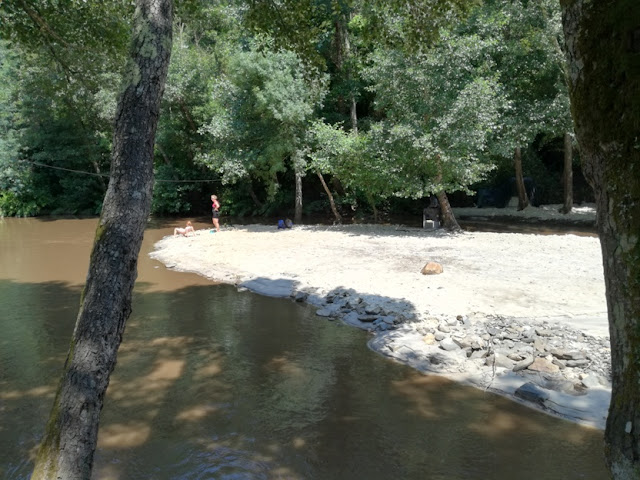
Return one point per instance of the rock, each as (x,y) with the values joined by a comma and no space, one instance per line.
(577,363)
(499,360)
(493,331)
(300,296)
(478,354)
(354,302)
(564,355)
(464,342)
(432,268)
(444,328)
(429,339)
(543,365)
(540,345)
(448,344)
(388,319)
(532,393)
(522,364)
(439,336)
(590,381)
(544,332)
(367,318)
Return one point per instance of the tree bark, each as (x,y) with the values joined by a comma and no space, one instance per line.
(298,209)
(353,111)
(567,178)
(343,51)
(446,212)
(523,200)
(331,200)
(255,198)
(603,50)
(69,442)
(372,204)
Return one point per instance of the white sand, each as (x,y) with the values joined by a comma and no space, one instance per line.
(553,277)
(516,275)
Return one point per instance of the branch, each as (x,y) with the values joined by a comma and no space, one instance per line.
(42,24)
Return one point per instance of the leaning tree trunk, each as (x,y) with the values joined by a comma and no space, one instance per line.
(69,442)
(567,178)
(523,200)
(330,195)
(446,212)
(603,49)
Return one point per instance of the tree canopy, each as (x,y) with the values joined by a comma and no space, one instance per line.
(388,100)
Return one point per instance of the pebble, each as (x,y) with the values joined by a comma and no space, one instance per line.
(548,356)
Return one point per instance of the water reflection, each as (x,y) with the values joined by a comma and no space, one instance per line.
(212,383)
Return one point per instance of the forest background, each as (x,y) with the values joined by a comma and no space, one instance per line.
(362,108)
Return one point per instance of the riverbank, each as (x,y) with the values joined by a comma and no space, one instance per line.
(518,314)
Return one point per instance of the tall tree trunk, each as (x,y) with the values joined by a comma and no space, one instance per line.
(343,51)
(567,178)
(523,200)
(69,442)
(96,167)
(372,204)
(352,98)
(603,49)
(331,200)
(298,210)
(254,197)
(446,212)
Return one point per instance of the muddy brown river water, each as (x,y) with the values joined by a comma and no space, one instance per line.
(216,384)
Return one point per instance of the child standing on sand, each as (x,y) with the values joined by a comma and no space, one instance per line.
(184,231)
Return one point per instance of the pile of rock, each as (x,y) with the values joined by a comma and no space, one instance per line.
(545,356)
(553,354)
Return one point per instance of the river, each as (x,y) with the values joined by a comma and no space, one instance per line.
(212,383)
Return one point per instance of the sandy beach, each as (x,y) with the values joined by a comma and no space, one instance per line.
(370,276)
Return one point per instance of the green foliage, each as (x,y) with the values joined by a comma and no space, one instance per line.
(261,111)
(441,114)
(525,48)
(443,91)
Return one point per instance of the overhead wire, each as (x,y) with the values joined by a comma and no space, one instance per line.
(106,175)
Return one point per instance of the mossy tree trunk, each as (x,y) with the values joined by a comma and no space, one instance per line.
(69,442)
(603,49)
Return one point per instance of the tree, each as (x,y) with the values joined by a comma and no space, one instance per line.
(71,434)
(567,176)
(603,49)
(441,110)
(203,33)
(70,65)
(262,110)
